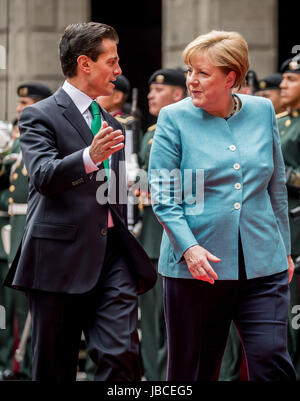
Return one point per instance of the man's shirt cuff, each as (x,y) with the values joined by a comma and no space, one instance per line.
(89,165)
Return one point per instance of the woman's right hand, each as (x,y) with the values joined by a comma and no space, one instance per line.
(197,259)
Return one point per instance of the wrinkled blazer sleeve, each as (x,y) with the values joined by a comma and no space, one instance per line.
(49,172)
(277,187)
(166,193)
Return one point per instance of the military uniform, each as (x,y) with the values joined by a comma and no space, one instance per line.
(14,177)
(7,296)
(6,336)
(17,193)
(289,130)
(17,207)
(269,87)
(153,343)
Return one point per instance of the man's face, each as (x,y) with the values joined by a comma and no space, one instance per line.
(104,71)
(161,95)
(274,96)
(112,102)
(290,90)
(22,103)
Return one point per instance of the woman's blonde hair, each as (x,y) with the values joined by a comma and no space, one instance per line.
(227,50)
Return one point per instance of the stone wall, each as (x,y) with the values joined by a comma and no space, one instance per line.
(256,20)
(34,28)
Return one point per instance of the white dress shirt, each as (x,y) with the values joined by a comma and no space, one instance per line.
(82,102)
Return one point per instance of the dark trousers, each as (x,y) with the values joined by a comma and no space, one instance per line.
(107,315)
(198,317)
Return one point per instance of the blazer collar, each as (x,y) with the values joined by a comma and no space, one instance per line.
(75,118)
(73,115)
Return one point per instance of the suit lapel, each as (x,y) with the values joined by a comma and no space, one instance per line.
(73,115)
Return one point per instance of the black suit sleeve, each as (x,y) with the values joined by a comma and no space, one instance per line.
(48,170)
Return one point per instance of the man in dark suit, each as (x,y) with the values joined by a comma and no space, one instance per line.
(78,263)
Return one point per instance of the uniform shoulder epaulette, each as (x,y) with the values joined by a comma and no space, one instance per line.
(2,171)
(283,114)
(152,128)
(124,120)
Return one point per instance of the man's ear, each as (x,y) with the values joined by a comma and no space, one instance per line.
(230,79)
(84,64)
(177,94)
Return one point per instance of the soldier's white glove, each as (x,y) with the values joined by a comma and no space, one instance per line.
(137,229)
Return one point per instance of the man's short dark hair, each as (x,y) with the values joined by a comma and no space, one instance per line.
(83,39)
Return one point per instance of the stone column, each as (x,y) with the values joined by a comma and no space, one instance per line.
(34,28)
(256,20)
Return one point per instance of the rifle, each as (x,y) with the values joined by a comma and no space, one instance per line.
(20,351)
(131,155)
(251,81)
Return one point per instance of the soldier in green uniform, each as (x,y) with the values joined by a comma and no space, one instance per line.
(6,335)
(7,299)
(14,177)
(268,87)
(289,130)
(166,86)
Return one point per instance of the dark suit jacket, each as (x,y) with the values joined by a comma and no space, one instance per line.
(64,241)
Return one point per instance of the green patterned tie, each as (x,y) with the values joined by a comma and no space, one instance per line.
(96,125)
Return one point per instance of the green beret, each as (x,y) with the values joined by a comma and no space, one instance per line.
(34,90)
(290,65)
(270,82)
(168,76)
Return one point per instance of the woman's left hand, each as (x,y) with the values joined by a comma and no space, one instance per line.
(291,267)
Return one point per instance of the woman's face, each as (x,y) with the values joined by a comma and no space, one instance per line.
(207,84)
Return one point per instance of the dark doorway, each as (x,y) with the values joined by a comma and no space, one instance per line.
(288,30)
(138,24)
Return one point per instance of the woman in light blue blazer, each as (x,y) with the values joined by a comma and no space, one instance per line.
(218,188)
